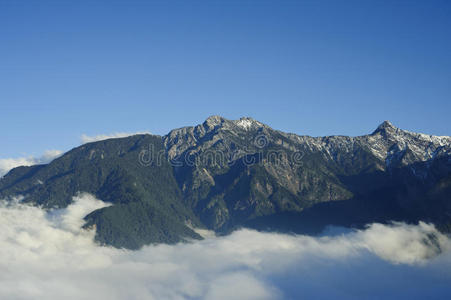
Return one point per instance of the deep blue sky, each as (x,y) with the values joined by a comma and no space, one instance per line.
(309,67)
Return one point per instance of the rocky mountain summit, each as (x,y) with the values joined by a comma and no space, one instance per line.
(225,174)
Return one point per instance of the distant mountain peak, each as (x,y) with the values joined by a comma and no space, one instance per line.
(213,121)
(385,126)
(246,123)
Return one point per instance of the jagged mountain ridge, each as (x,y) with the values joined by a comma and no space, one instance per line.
(326,161)
(380,141)
(224,174)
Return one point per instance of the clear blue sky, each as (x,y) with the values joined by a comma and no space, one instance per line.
(309,67)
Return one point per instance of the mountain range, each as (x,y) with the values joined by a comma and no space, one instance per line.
(226,174)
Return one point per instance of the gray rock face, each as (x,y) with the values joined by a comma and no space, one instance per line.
(287,172)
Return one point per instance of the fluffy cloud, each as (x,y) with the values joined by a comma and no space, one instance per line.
(88,139)
(10,163)
(45,255)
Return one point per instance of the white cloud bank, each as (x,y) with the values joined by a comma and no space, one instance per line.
(47,256)
(7,164)
(88,139)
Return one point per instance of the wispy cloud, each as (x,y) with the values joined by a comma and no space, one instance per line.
(7,164)
(45,255)
(88,139)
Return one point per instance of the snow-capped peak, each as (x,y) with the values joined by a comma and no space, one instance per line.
(384,126)
(245,123)
(391,143)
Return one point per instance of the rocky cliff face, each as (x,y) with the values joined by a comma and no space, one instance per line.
(223,174)
(277,172)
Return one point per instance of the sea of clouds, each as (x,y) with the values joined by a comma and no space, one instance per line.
(46,255)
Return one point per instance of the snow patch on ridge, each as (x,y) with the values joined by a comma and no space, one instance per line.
(244,123)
